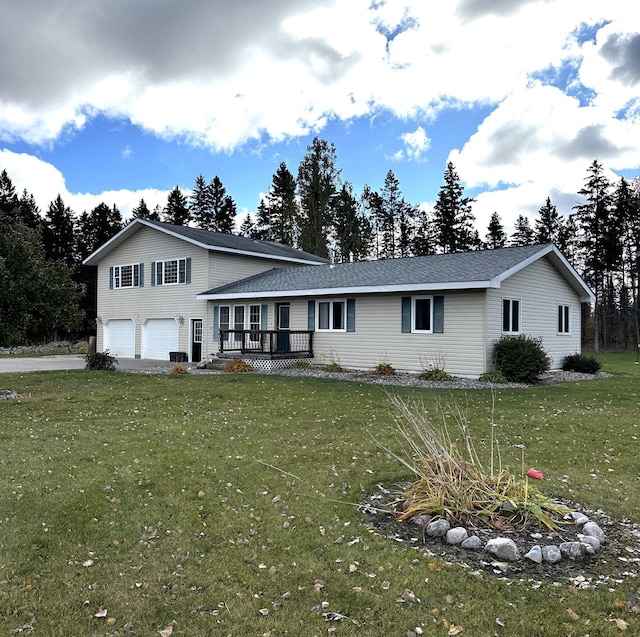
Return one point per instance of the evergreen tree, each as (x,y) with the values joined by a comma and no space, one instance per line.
(247,229)
(262,227)
(371,203)
(201,204)
(523,234)
(141,211)
(452,217)
(28,211)
(424,241)
(96,228)
(597,242)
(8,197)
(283,215)
(176,210)
(59,233)
(548,226)
(318,183)
(223,208)
(496,236)
(353,230)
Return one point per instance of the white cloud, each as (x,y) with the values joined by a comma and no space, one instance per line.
(45,182)
(416,145)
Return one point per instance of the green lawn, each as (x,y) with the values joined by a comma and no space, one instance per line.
(225,504)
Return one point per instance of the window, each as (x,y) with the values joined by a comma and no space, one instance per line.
(171,272)
(240,318)
(511,316)
(126,276)
(331,316)
(422,319)
(564,319)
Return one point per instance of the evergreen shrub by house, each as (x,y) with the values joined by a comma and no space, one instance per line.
(435,374)
(521,359)
(581,363)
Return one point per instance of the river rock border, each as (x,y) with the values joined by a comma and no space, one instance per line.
(588,549)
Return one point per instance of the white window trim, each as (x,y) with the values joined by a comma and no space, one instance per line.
(567,328)
(161,265)
(246,315)
(117,276)
(415,330)
(331,302)
(511,300)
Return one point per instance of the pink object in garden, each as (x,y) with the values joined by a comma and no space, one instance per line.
(534,473)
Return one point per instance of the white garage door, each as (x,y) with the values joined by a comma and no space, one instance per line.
(119,338)
(159,337)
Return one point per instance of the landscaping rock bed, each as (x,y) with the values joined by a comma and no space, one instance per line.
(590,549)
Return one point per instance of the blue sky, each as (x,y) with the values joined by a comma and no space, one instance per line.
(118,101)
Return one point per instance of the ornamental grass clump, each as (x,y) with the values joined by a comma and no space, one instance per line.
(451,482)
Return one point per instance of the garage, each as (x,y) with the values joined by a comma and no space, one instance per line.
(159,337)
(120,338)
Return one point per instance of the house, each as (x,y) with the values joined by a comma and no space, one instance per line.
(273,303)
(149,278)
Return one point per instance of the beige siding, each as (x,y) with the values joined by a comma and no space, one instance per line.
(208,269)
(540,289)
(379,339)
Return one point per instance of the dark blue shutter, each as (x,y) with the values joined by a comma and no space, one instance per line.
(153,273)
(438,314)
(216,324)
(141,274)
(311,315)
(111,278)
(263,316)
(351,315)
(406,314)
(188,271)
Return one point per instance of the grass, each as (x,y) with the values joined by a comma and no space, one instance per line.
(224,503)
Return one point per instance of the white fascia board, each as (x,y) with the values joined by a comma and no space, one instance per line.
(378,289)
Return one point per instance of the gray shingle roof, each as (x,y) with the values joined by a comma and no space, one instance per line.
(480,269)
(216,241)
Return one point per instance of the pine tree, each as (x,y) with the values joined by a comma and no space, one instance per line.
(28,211)
(283,212)
(8,197)
(424,241)
(59,233)
(176,211)
(596,241)
(318,183)
(223,208)
(523,234)
(141,211)
(201,204)
(353,230)
(247,228)
(548,226)
(453,220)
(496,236)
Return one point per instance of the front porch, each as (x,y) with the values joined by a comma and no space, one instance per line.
(265,344)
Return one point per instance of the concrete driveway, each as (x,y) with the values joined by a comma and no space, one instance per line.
(41,363)
(77,361)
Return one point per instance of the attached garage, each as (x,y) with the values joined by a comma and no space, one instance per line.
(159,337)
(120,338)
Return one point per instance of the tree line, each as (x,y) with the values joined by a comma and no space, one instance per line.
(317,211)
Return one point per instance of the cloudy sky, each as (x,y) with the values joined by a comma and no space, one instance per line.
(114,100)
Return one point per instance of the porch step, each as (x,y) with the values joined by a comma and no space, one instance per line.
(216,363)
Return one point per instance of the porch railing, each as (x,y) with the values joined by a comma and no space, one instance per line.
(267,342)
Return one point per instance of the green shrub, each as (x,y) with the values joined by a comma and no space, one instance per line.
(101,361)
(334,368)
(434,374)
(581,363)
(384,369)
(521,359)
(494,377)
(237,366)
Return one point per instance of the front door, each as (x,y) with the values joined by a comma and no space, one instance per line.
(283,316)
(196,340)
